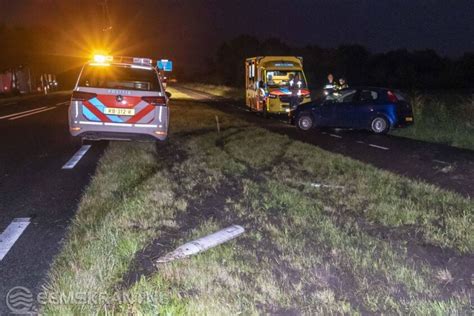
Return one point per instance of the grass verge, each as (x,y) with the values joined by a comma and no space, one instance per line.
(217,90)
(446,119)
(368,242)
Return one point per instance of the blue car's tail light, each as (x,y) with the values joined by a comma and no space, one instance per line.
(392,97)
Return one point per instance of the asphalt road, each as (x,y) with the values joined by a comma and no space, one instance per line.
(33,149)
(444,166)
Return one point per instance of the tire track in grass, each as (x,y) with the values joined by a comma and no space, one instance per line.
(212,207)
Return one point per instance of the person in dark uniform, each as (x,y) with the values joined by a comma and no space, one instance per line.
(295,88)
(262,96)
(342,84)
(330,85)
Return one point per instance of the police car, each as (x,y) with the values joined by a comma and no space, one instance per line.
(120,98)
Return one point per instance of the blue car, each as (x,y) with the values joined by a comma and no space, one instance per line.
(374,109)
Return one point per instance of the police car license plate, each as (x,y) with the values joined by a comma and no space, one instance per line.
(409,119)
(119,111)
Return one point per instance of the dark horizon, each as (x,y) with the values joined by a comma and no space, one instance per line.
(192,31)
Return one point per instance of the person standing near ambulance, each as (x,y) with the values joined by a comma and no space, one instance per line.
(295,84)
(330,85)
(342,84)
(262,96)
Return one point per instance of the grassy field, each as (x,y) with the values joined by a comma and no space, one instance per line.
(324,234)
(447,119)
(220,91)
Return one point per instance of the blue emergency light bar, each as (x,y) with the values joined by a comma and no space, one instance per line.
(164,64)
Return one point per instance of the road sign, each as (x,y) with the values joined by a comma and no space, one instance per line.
(165,65)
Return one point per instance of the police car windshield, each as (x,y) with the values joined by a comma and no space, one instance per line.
(282,78)
(119,77)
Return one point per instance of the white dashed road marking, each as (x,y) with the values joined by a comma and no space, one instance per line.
(360,142)
(441,162)
(77,157)
(334,135)
(19,113)
(11,234)
(63,103)
(32,113)
(379,147)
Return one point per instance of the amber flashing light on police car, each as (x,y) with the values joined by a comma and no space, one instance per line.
(101,60)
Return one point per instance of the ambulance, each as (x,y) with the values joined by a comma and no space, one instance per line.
(119,98)
(267,83)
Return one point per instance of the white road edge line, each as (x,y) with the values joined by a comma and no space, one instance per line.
(334,135)
(33,113)
(379,147)
(77,157)
(19,113)
(11,234)
(441,162)
(8,103)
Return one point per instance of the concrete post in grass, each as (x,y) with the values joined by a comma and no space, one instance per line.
(202,244)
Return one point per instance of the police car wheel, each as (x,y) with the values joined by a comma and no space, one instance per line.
(305,122)
(162,145)
(379,125)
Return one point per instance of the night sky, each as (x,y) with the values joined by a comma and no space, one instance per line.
(191,29)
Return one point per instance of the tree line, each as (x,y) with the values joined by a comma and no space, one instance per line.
(421,69)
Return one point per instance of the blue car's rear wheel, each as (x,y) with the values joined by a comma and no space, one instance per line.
(305,122)
(379,125)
